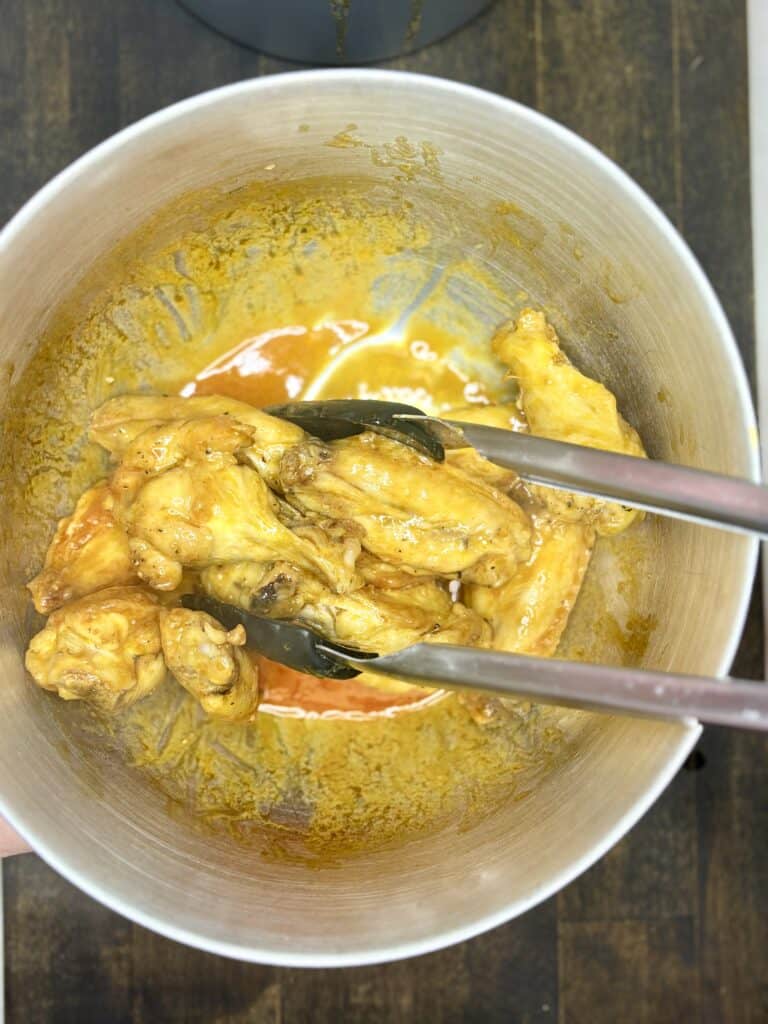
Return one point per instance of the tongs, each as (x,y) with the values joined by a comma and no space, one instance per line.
(544,680)
(680,492)
(656,486)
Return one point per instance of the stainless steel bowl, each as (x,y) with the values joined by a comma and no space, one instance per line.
(634,307)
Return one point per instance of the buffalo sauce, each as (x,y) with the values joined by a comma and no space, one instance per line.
(286,691)
(276,366)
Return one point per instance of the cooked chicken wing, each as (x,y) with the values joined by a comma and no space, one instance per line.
(117,423)
(413,511)
(153,567)
(212,439)
(529,613)
(384,576)
(210,662)
(558,401)
(561,403)
(204,514)
(104,648)
(370,618)
(111,649)
(358,538)
(274,589)
(387,621)
(89,551)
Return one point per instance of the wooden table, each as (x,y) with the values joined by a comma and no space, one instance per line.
(672,925)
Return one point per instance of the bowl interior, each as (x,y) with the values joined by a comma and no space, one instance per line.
(404,201)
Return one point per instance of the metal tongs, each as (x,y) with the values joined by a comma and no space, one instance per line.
(680,492)
(677,491)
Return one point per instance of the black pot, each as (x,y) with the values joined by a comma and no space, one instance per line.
(335,31)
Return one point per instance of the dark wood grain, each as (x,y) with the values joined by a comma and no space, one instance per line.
(672,925)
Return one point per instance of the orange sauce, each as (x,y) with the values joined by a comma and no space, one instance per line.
(276,366)
(286,691)
(338,359)
(335,359)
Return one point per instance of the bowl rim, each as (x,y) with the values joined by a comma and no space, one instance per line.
(443,89)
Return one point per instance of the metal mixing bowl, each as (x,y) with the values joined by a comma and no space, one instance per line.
(542,211)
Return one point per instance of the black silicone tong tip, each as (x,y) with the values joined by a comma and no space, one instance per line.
(289,643)
(342,417)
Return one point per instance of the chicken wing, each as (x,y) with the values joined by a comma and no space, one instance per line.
(529,613)
(370,618)
(204,514)
(274,589)
(413,511)
(89,551)
(104,648)
(111,649)
(117,424)
(561,403)
(162,446)
(210,663)
(387,621)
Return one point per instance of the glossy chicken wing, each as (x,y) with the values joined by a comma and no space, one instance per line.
(104,648)
(563,404)
(529,613)
(558,400)
(387,621)
(89,551)
(201,515)
(114,647)
(370,618)
(210,662)
(274,589)
(413,511)
(162,446)
(117,423)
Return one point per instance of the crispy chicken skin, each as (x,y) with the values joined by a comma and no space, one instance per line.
(89,551)
(413,511)
(363,539)
(210,663)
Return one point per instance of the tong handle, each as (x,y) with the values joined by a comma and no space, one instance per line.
(606,688)
(681,492)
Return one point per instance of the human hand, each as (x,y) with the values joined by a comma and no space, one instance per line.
(10,841)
